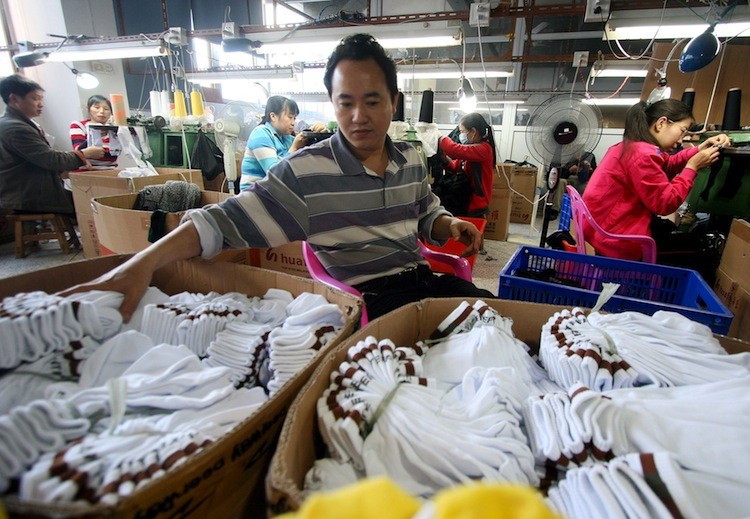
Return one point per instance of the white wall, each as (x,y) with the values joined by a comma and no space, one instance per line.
(64,101)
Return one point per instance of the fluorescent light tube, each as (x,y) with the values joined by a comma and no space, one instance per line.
(225,76)
(615,101)
(675,23)
(108,51)
(619,72)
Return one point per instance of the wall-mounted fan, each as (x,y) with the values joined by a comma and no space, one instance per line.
(232,129)
(560,129)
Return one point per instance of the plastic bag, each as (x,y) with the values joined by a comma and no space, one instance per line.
(207,157)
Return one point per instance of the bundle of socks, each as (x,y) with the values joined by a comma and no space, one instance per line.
(629,349)
(704,425)
(105,467)
(31,430)
(479,336)
(36,324)
(385,419)
(310,325)
(193,324)
(240,347)
(647,485)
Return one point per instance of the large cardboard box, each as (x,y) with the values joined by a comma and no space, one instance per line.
(498,217)
(91,184)
(733,278)
(300,441)
(523,182)
(226,478)
(124,230)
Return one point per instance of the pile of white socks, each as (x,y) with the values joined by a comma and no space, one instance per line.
(36,324)
(310,325)
(384,418)
(138,406)
(241,347)
(57,336)
(105,467)
(479,336)
(30,430)
(629,349)
(647,485)
(194,325)
(704,425)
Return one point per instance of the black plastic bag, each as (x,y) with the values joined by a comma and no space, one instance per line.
(454,191)
(207,157)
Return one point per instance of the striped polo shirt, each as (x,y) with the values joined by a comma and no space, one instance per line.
(361,226)
(265,148)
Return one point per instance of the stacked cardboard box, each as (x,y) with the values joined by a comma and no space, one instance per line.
(87,185)
(226,478)
(524,183)
(498,217)
(733,278)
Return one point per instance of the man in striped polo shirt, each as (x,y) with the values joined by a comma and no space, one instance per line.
(360,200)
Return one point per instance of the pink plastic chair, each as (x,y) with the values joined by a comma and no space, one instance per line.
(582,217)
(460,266)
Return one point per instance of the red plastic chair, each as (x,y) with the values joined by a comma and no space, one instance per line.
(454,248)
(582,217)
(460,266)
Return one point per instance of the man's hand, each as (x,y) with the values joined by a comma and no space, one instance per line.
(93,152)
(449,227)
(132,279)
(468,234)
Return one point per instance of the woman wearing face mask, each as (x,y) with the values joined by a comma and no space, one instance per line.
(99,111)
(473,157)
(272,140)
(638,179)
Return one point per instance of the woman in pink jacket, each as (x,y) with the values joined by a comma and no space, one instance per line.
(638,178)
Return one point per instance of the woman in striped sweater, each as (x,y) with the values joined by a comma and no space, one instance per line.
(99,110)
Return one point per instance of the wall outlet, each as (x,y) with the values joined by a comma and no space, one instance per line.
(230,30)
(581,58)
(479,14)
(177,36)
(596,11)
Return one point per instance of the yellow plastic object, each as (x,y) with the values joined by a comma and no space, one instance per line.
(179,104)
(196,103)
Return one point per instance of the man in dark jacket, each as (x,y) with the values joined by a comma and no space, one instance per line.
(29,168)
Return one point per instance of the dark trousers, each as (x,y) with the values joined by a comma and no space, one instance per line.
(388,293)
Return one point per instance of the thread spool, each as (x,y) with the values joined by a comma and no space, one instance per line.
(196,103)
(165,104)
(118,109)
(731,119)
(425,111)
(180,110)
(688,97)
(399,115)
(154,98)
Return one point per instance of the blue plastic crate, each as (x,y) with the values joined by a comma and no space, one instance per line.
(578,278)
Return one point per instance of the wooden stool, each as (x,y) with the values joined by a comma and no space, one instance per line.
(60,223)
